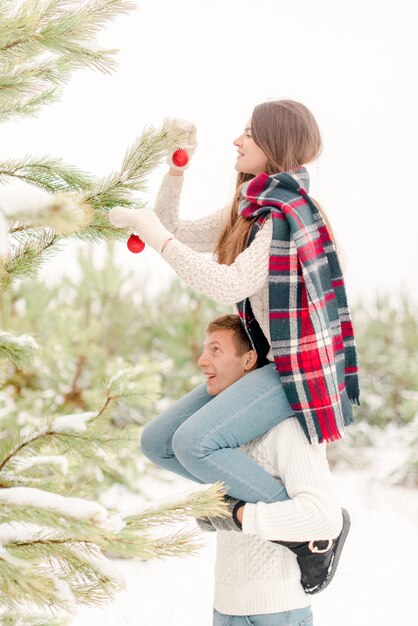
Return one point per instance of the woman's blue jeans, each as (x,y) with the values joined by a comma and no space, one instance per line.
(297,617)
(199,435)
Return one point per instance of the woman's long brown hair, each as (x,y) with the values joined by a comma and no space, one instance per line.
(289,136)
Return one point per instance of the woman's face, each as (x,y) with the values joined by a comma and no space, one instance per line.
(251,159)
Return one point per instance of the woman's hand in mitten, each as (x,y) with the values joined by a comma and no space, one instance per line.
(121,217)
(186,141)
(144,222)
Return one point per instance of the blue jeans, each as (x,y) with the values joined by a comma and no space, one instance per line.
(199,435)
(297,617)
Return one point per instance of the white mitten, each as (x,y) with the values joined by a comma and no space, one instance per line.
(187,140)
(144,222)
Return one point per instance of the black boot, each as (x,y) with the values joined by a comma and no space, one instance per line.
(318,560)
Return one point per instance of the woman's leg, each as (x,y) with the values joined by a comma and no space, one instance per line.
(205,444)
(157,436)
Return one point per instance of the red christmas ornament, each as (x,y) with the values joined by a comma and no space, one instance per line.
(180,157)
(135,244)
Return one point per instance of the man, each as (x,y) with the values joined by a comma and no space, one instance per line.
(264,572)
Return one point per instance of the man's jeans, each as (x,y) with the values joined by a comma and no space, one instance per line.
(199,435)
(297,617)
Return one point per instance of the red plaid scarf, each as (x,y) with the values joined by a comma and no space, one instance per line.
(310,325)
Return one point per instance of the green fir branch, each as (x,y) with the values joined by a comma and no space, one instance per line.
(29,258)
(36,480)
(47,173)
(100,228)
(24,584)
(28,79)
(16,107)
(57,526)
(145,154)
(127,386)
(69,560)
(18,24)
(97,449)
(198,505)
(57,25)
(74,443)
(128,544)
(66,24)
(42,44)
(18,349)
(23,618)
(96,446)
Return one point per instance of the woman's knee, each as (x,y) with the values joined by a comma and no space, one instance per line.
(190,443)
(182,444)
(152,443)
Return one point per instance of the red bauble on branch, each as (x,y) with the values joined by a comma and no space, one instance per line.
(180,157)
(135,244)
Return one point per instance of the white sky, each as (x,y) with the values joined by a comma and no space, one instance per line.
(353,63)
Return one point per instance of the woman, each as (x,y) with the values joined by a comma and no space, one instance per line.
(276,261)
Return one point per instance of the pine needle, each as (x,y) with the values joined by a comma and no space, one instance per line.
(25,584)
(11,618)
(198,505)
(20,350)
(47,173)
(43,43)
(145,154)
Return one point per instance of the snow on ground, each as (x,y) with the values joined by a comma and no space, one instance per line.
(375,584)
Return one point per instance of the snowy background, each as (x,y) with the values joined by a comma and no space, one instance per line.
(354,64)
(375,584)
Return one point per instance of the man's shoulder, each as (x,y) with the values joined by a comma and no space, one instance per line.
(288,427)
(287,434)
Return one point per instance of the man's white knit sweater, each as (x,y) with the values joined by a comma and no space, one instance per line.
(254,576)
(226,284)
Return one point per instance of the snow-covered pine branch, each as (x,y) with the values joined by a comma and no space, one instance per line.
(19,349)
(52,540)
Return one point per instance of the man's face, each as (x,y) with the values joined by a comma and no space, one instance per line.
(220,362)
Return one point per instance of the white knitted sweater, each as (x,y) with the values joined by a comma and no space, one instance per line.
(254,576)
(226,284)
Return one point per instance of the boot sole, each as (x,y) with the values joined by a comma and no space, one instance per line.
(337,553)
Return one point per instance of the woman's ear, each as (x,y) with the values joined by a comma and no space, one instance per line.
(250,360)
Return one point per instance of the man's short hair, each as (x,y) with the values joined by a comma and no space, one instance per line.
(233,323)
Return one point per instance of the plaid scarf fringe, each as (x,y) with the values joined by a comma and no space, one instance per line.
(312,335)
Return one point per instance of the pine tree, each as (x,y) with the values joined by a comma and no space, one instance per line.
(52,541)
(78,354)
(387,419)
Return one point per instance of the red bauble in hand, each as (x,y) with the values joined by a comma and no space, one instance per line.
(180,157)
(135,244)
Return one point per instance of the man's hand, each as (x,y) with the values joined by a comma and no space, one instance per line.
(225,523)
(239,513)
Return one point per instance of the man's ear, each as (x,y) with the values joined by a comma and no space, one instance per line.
(251,360)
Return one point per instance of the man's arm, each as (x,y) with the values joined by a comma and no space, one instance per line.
(313,510)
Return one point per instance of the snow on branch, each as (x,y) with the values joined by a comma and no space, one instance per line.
(76,508)
(19,349)
(74,422)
